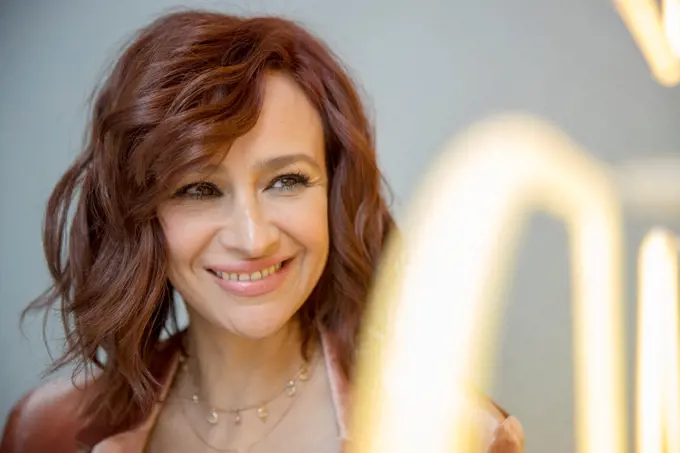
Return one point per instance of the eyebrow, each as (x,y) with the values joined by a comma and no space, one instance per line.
(282,161)
(273,164)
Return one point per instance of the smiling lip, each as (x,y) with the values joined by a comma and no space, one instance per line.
(253,278)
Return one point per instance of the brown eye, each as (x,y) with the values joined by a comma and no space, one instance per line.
(289,182)
(199,190)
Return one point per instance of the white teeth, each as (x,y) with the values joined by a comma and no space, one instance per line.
(257,275)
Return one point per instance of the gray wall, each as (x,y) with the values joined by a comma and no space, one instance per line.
(428,71)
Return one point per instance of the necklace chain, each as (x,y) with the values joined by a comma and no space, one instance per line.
(212,418)
(213,415)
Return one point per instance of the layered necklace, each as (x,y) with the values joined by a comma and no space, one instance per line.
(214,414)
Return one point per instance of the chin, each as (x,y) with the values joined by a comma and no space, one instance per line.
(256,332)
(257,326)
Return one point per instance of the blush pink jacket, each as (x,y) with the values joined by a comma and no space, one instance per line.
(47,419)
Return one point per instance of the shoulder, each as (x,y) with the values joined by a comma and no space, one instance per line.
(508,437)
(45,419)
(50,417)
(500,432)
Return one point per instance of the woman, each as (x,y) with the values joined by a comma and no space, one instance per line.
(229,161)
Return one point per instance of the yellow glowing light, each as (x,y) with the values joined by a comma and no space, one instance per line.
(658,376)
(435,308)
(671,24)
(655,35)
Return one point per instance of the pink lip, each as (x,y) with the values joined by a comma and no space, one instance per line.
(253,288)
(248,267)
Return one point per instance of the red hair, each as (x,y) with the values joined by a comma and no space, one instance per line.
(189,80)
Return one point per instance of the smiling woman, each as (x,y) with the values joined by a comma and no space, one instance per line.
(229,161)
(247,241)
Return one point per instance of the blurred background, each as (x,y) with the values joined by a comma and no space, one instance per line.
(427,69)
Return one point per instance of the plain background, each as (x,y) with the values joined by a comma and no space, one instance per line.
(428,69)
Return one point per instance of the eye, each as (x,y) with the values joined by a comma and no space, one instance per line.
(289,182)
(199,191)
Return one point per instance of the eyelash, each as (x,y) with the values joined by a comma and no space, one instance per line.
(295,180)
(292,182)
(185,192)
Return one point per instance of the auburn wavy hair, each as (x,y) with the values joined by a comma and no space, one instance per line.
(187,81)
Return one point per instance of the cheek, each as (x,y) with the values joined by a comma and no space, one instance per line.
(186,235)
(306,221)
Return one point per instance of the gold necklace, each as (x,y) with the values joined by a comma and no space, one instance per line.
(303,374)
(213,415)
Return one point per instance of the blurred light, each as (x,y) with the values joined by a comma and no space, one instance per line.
(658,376)
(433,319)
(671,23)
(643,19)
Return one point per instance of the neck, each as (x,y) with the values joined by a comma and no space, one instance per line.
(233,371)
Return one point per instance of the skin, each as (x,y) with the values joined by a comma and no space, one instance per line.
(267,200)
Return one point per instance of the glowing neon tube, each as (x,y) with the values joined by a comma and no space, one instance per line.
(657,399)
(441,286)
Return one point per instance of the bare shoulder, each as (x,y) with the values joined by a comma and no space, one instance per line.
(45,419)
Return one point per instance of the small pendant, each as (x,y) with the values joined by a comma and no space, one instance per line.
(212,417)
(237,418)
(194,398)
(262,413)
(290,390)
(304,373)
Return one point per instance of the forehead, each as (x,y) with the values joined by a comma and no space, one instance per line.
(288,124)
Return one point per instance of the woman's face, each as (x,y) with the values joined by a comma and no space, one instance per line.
(248,239)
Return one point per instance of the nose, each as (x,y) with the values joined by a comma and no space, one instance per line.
(248,232)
